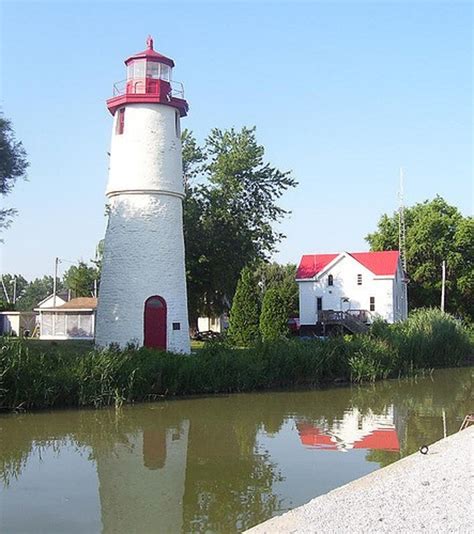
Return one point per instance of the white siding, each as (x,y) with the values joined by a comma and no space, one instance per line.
(345,271)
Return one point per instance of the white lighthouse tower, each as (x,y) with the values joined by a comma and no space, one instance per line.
(142,297)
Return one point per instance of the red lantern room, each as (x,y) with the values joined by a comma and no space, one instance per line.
(149,80)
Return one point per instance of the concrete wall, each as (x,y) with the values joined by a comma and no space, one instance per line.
(345,271)
(144,244)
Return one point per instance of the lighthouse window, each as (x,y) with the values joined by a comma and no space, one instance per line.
(138,68)
(165,73)
(153,70)
(177,126)
(120,121)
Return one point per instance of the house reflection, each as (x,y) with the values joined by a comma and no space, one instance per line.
(355,430)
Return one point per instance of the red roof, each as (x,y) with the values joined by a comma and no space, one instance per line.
(150,54)
(383,263)
(312,264)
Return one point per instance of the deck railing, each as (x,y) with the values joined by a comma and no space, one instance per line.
(141,87)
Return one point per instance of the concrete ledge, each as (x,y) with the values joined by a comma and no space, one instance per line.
(420,493)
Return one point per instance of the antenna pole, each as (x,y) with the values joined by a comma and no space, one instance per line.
(443,285)
(401,225)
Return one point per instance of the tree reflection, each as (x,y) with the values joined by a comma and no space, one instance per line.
(228,480)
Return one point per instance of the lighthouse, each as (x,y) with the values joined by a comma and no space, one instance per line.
(142,295)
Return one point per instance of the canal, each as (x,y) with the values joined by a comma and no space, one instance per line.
(215,464)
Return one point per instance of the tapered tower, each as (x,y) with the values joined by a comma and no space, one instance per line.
(142,296)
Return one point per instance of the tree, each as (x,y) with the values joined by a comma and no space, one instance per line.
(80,279)
(229,209)
(435,231)
(12,289)
(13,165)
(274,317)
(36,291)
(245,311)
(282,276)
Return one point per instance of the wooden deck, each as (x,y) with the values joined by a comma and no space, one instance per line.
(355,321)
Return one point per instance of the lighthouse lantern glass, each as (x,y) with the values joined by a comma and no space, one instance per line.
(136,69)
(158,71)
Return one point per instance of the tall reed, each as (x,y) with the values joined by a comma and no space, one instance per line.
(35,374)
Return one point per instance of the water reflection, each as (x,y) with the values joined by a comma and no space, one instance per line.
(217,464)
(354,431)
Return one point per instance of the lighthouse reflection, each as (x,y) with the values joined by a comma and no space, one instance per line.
(218,464)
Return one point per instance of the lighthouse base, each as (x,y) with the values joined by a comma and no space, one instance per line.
(142,294)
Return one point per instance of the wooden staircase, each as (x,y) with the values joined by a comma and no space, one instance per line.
(354,321)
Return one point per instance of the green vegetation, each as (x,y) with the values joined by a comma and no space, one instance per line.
(435,232)
(245,311)
(274,316)
(13,165)
(35,375)
(231,203)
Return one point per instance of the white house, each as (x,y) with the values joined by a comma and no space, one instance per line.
(67,320)
(360,285)
(17,323)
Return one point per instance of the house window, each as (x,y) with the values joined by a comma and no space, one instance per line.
(372,303)
(330,280)
(319,303)
(359,279)
(120,121)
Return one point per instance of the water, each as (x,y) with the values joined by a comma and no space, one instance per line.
(219,464)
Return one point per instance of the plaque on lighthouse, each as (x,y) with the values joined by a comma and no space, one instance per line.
(142,295)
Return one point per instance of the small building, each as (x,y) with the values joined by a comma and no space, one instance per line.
(17,323)
(350,289)
(74,319)
(213,324)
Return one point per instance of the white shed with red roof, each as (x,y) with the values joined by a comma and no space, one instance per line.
(364,285)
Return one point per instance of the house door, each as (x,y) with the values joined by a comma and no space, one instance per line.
(155,323)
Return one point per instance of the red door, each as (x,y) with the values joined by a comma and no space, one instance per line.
(155,323)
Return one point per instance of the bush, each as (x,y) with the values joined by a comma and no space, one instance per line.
(274,316)
(245,311)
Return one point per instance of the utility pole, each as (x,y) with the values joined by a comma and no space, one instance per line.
(5,292)
(14,289)
(443,284)
(55,281)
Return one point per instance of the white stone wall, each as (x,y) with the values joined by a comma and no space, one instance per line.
(144,244)
(147,156)
(344,272)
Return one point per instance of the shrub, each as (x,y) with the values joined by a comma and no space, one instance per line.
(245,311)
(274,316)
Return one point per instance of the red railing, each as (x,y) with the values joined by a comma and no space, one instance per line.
(147,86)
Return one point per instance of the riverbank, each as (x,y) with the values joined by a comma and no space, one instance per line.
(34,375)
(420,493)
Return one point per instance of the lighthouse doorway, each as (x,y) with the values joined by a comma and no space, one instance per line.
(155,323)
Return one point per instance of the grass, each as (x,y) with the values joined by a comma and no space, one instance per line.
(35,374)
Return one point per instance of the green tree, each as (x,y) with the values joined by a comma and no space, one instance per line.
(245,311)
(283,276)
(12,289)
(36,291)
(435,231)
(230,206)
(274,316)
(13,165)
(80,279)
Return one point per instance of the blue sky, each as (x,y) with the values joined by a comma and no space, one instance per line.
(343,94)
